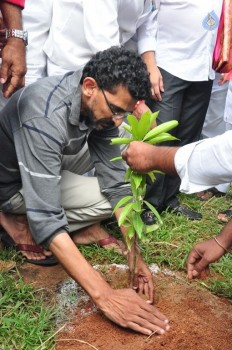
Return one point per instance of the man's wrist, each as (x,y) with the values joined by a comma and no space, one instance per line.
(222,246)
(225,236)
(17,34)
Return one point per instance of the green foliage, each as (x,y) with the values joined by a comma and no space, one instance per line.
(170,245)
(133,206)
(25,322)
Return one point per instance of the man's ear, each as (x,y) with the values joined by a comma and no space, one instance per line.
(89,85)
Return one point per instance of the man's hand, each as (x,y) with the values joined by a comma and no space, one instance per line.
(142,281)
(139,156)
(127,309)
(142,157)
(157,83)
(13,68)
(2,40)
(201,256)
(140,109)
(123,306)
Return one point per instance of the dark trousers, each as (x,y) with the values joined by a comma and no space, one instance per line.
(186,102)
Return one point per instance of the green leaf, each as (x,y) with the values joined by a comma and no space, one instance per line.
(144,125)
(137,178)
(154,211)
(163,137)
(122,202)
(128,174)
(142,190)
(131,232)
(120,141)
(126,210)
(158,172)
(151,175)
(127,223)
(132,120)
(129,236)
(153,117)
(116,158)
(159,129)
(137,206)
(133,187)
(127,127)
(151,228)
(138,224)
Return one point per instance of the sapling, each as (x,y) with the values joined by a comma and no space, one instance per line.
(133,205)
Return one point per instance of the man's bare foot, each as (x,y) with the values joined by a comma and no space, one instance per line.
(95,234)
(17,228)
(208,194)
(225,215)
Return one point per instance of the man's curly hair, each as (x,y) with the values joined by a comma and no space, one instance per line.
(117,66)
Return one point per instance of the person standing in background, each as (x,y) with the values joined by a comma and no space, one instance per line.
(185,38)
(215,125)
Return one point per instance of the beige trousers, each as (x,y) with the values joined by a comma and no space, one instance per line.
(81,198)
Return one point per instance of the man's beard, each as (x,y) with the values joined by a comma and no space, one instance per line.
(91,121)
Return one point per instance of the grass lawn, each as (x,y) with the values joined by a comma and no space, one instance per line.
(27,323)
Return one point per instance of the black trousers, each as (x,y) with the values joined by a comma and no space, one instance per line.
(186,102)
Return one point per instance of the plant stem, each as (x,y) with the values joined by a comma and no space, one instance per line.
(134,260)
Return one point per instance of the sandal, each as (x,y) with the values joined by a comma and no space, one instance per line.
(208,194)
(111,243)
(8,243)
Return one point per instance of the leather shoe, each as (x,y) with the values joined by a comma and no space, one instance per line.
(148,217)
(183,211)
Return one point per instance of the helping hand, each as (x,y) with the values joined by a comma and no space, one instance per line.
(139,156)
(201,256)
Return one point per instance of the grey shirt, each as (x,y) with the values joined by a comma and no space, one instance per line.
(39,125)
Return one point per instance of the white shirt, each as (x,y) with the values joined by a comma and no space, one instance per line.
(228,106)
(80,28)
(37,20)
(185,37)
(205,163)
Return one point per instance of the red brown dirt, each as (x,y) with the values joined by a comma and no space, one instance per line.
(198,319)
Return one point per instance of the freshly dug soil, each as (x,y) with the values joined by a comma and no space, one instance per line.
(198,319)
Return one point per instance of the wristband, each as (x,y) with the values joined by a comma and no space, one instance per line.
(17,33)
(226,250)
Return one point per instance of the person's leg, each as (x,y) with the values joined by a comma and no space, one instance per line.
(196,101)
(82,200)
(194,108)
(187,102)
(225,215)
(85,208)
(13,220)
(169,108)
(84,204)
(228,105)
(214,123)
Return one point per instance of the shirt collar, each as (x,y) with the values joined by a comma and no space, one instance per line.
(74,117)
